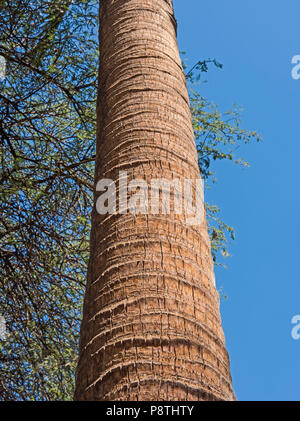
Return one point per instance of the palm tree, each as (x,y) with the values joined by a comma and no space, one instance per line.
(151,326)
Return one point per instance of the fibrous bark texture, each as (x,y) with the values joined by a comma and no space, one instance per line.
(151,326)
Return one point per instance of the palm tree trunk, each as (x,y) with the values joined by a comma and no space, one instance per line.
(151,326)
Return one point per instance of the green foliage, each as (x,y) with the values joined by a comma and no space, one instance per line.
(218,137)
(47,134)
(47,152)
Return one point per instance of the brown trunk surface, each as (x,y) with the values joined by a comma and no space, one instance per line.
(151,325)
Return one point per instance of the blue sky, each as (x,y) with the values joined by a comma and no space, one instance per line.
(255,41)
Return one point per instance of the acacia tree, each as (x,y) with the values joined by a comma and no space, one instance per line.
(151,325)
(47,138)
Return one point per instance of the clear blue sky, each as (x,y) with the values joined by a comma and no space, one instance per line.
(255,41)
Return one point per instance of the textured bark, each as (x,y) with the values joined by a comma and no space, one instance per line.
(151,325)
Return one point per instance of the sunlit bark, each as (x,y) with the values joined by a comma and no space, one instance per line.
(151,325)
